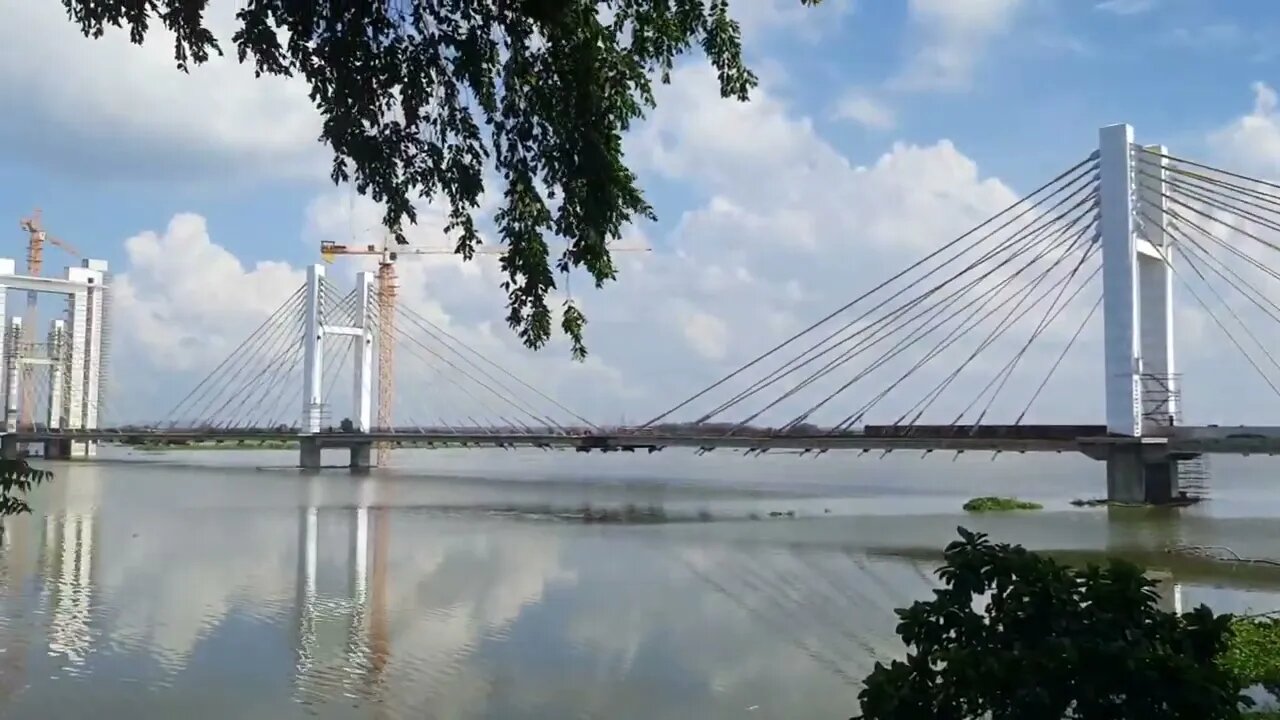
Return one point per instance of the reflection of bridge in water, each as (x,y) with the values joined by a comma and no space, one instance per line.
(52,592)
(342,628)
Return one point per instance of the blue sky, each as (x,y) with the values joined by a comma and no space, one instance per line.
(112,143)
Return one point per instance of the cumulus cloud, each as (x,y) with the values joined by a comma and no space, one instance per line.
(119,109)
(758,17)
(185,299)
(1126,7)
(951,38)
(865,110)
(1252,141)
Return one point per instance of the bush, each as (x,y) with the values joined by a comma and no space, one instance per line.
(1253,653)
(988,504)
(1050,641)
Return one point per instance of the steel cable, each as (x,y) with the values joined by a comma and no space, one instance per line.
(768,353)
(295,297)
(1022,243)
(1045,246)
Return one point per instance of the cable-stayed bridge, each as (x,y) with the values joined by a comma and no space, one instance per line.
(953,353)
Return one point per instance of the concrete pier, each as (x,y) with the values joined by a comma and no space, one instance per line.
(309,453)
(57,449)
(361,457)
(1135,476)
(9,446)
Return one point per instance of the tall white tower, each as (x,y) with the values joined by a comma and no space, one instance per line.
(1137,280)
(76,348)
(316,328)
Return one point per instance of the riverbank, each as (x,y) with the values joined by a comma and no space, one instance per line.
(226,445)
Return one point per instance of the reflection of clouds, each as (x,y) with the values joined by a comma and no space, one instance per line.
(167,595)
(452,587)
(745,622)
(180,549)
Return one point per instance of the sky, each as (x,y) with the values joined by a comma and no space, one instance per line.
(880,130)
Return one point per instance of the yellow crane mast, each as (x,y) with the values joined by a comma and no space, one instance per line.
(36,238)
(388,285)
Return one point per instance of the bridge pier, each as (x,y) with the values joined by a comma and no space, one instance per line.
(361,457)
(309,453)
(1135,477)
(57,449)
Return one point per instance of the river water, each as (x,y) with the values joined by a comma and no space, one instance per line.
(466,584)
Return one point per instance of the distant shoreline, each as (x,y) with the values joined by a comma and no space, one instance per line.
(226,445)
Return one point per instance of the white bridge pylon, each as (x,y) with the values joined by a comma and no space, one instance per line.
(75,351)
(1137,285)
(315,329)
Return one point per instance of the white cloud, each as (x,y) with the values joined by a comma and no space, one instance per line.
(1252,142)
(865,110)
(757,17)
(120,108)
(185,299)
(707,335)
(1126,7)
(950,40)
(108,106)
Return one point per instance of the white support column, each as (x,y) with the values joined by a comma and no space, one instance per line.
(313,351)
(57,377)
(77,310)
(1155,291)
(12,362)
(96,276)
(7,267)
(86,353)
(363,347)
(1123,358)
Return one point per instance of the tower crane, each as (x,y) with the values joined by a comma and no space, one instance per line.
(36,238)
(387,290)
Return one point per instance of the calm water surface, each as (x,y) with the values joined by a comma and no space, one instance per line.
(466,585)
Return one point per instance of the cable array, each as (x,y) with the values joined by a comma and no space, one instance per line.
(236,394)
(1222,227)
(981,301)
(444,385)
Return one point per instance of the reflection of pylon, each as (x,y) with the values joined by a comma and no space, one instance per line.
(387,287)
(379,635)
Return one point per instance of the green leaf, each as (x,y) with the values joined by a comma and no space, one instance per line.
(17,478)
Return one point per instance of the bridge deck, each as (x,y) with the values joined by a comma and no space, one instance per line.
(1056,439)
